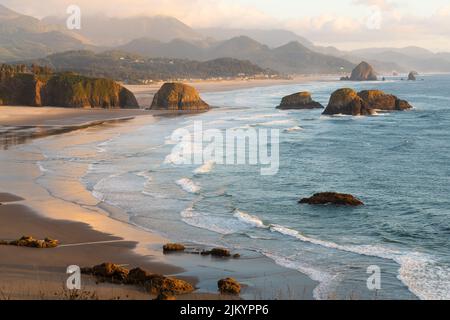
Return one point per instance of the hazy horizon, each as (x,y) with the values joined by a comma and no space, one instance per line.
(347,25)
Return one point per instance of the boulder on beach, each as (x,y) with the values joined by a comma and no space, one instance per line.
(348,102)
(178,96)
(332,198)
(154,283)
(229,286)
(300,100)
(362,72)
(30,242)
(158,283)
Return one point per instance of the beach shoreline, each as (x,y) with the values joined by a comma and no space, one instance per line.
(69,202)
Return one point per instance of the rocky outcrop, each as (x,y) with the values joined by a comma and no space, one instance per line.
(348,102)
(30,242)
(154,283)
(362,72)
(178,96)
(64,90)
(217,252)
(412,76)
(173,247)
(300,100)
(229,286)
(332,198)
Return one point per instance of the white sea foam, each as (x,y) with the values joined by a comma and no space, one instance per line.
(326,280)
(188,185)
(276,123)
(203,221)
(419,272)
(206,168)
(249,219)
(42,168)
(146,175)
(293,129)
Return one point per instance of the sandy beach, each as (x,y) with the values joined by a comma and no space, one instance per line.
(91,232)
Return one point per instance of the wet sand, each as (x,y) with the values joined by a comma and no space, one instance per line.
(59,206)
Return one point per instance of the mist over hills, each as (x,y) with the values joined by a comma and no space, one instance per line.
(109,32)
(291,58)
(23,38)
(272,38)
(133,68)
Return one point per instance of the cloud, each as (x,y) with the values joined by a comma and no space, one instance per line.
(397,24)
(382,5)
(196,13)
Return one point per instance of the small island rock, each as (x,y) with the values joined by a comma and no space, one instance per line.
(300,100)
(362,72)
(332,198)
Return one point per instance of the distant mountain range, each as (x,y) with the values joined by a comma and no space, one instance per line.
(291,58)
(23,37)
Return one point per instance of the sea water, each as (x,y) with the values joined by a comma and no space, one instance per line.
(397,163)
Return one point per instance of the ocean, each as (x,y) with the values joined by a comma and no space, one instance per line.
(397,163)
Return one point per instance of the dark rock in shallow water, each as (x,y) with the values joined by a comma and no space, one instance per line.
(300,100)
(178,96)
(173,247)
(332,198)
(229,286)
(348,102)
(217,252)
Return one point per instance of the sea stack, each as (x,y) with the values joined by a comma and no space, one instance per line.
(298,101)
(412,76)
(362,72)
(348,102)
(178,97)
(63,90)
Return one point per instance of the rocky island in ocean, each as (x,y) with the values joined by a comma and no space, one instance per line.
(39,86)
(300,100)
(178,97)
(348,102)
(362,72)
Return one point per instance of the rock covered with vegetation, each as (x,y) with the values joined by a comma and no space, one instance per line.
(39,86)
(300,100)
(347,101)
(30,242)
(178,97)
(173,247)
(229,286)
(362,72)
(153,283)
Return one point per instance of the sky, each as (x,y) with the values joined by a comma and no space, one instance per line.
(346,24)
